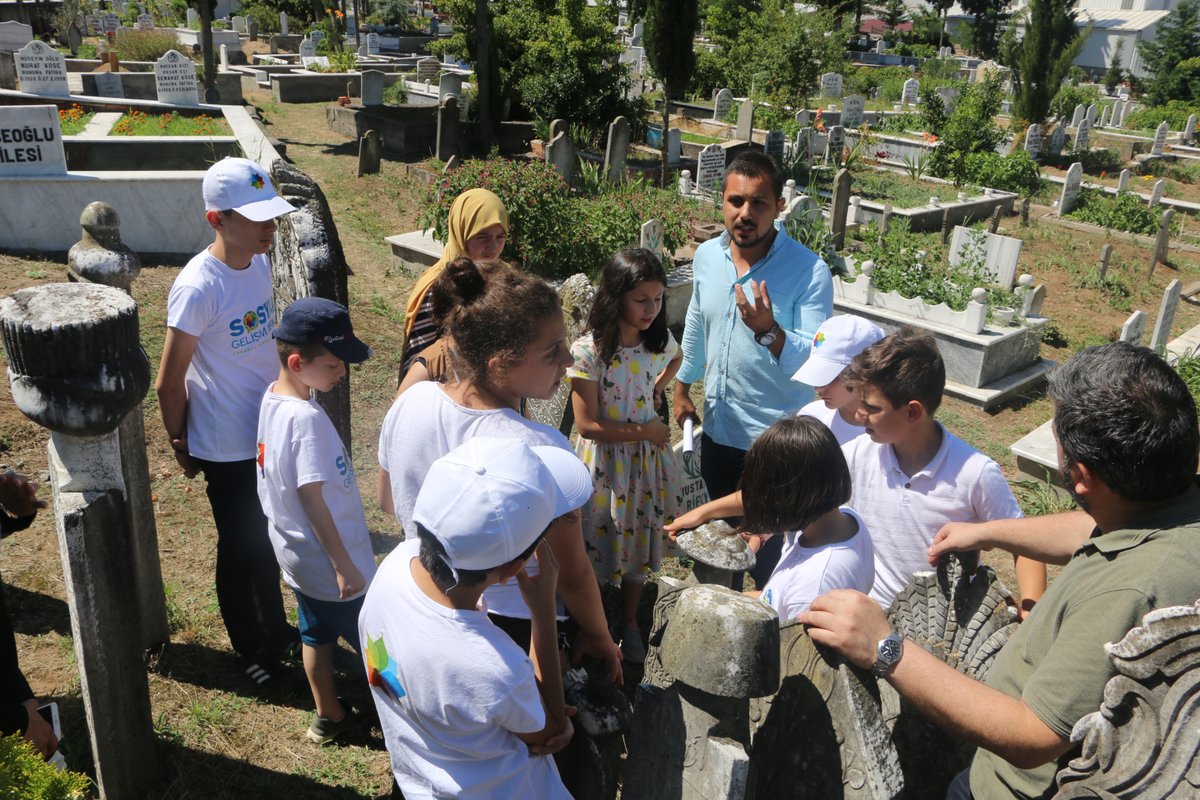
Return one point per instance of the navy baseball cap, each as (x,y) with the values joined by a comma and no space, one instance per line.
(315,320)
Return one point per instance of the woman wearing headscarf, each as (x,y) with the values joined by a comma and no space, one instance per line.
(478,228)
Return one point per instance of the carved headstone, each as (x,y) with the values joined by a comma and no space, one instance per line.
(1033,140)
(745,121)
(42,70)
(852,110)
(721,104)
(1156,194)
(710,168)
(773,145)
(1083,135)
(1123,181)
(909,96)
(175,79)
(617,150)
(836,141)
(14,36)
(718,552)
(1070,190)
(371,88)
(561,154)
(1057,139)
(31,141)
(831,84)
(1166,315)
(370,153)
(449,141)
(1134,328)
(1160,139)
(839,207)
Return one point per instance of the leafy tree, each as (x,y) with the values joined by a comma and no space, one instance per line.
(670,26)
(926,28)
(941,7)
(1177,39)
(985,30)
(969,129)
(1115,73)
(893,14)
(1042,57)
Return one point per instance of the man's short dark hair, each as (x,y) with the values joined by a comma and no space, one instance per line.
(432,557)
(755,164)
(1126,414)
(904,366)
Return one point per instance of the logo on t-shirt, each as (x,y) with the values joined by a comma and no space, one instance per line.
(381,669)
(252,327)
(344,469)
(262,455)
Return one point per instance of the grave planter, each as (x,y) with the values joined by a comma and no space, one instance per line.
(538,148)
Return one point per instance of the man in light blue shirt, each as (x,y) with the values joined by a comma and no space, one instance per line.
(758,297)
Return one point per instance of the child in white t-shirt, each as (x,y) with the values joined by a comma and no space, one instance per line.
(796,484)
(461,705)
(836,343)
(308,491)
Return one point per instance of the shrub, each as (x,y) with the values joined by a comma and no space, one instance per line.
(1012,173)
(264,16)
(969,129)
(1175,113)
(86,51)
(24,774)
(395,95)
(1071,95)
(1125,212)
(555,231)
(145,45)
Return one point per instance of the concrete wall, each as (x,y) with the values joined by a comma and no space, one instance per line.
(148,153)
(1102,44)
(317,87)
(140,86)
(404,129)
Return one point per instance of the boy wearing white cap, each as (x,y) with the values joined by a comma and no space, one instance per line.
(218,359)
(836,343)
(461,705)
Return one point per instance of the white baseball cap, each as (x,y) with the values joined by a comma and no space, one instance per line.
(240,185)
(834,346)
(488,500)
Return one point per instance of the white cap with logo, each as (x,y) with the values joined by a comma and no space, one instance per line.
(238,184)
(834,346)
(488,500)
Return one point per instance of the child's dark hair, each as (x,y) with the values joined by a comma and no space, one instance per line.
(307,351)
(621,274)
(442,303)
(794,473)
(491,310)
(432,555)
(904,366)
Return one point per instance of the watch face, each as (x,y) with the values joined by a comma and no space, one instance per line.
(889,650)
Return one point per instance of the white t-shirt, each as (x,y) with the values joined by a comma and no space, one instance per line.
(425,424)
(232,313)
(842,431)
(903,513)
(807,572)
(298,445)
(452,690)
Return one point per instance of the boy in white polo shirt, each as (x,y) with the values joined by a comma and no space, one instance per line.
(218,359)
(308,491)
(910,475)
(460,703)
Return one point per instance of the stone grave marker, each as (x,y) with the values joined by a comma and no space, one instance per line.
(674,145)
(252,30)
(370,153)
(362,51)
(1134,328)
(14,36)
(852,110)
(1090,116)
(175,79)
(1123,181)
(635,38)
(617,150)
(652,236)
(1000,253)
(1070,190)
(831,84)
(745,121)
(911,88)
(108,84)
(371,88)
(307,48)
(1163,243)
(91,24)
(722,103)
(283,23)
(42,70)
(109,23)
(224,51)
(561,154)
(1083,136)
(74,38)
(372,43)
(317,36)
(774,145)
(803,145)
(837,139)
(710,168)
(193,18)
(1156,194)
(839,207)
(450,83)
(1033,140)
(448,129)
(802,117)
(428,69)
(238,23)
(314,61)
(1057,138)
(949,95)
(31,141)
(1077,117)
(1189,129)
(145,22)
(1160,139)
(1166,315)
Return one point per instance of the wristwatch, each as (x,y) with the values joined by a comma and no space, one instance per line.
(887,654)
(768,337)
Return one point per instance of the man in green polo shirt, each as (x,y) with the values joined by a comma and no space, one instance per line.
(1128,442)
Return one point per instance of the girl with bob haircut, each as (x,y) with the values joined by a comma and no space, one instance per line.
(623,364)
(796,484)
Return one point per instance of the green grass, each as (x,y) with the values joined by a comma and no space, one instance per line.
(139,123)
(73,120)
(698,138)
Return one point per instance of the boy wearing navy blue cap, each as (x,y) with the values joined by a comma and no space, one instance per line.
(309,493)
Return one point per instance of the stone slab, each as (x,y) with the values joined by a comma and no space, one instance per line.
(31,142)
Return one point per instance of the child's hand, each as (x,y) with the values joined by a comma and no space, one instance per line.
(685,522)
(656,432)
(18,495)
(350,581)
(538,589)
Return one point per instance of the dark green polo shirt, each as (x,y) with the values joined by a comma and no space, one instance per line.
(1056,662)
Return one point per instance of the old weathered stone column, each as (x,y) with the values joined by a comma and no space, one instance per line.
(76,366)
(717,552)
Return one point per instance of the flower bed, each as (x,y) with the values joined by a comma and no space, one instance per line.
(74,119)
(139,123)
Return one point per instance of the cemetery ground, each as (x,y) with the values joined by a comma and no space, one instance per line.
(217,738)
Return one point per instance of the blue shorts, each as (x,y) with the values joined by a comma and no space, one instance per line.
(323,621)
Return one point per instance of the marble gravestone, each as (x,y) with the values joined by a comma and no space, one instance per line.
(14,36)
(427,69)
(31,141)
(710,168)
(1156,194)
(1078,115)
(837,139)
(1083,136)
(773,145)
(193,18)
(1189,128)
(307,49)
(722,103)
(42,70)
(1070,190)
(109,23)
(145,22)
(371,88)
(175,79)
(852,110)
(1123,181)
(238,23)
(1160,139)
(283,23)
(745,121)
(1057,139)
(372,44)
(108,84)
(831,84)
(999,254)
(1033,140)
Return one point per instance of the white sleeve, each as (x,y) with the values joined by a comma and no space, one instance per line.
(190,310)
(993,499)
(313,462)
(521,710)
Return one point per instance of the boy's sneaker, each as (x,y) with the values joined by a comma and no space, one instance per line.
(324,730)
(630,639)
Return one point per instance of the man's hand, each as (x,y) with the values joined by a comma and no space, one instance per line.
(559,740)
(38,732)
(601,648)
(756,311)
(684,407)
(955,537)
(349,580)
(18,495)
(849,622)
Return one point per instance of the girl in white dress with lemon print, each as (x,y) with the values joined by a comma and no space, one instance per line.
(623,364)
